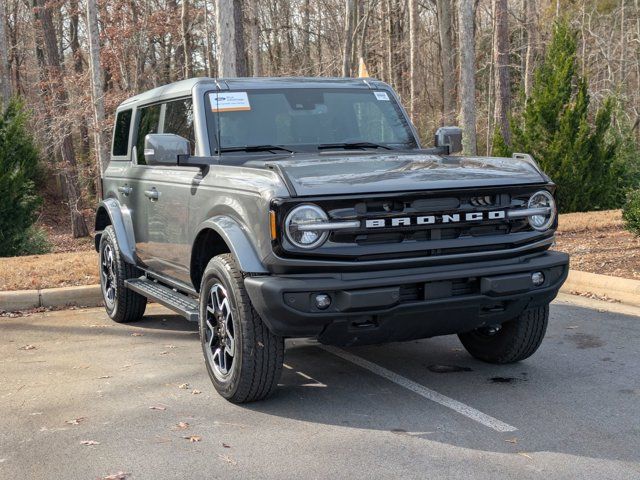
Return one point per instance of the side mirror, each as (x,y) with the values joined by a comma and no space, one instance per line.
(450,138)
(164,148)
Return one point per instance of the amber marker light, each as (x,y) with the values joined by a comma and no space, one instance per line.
(272,222)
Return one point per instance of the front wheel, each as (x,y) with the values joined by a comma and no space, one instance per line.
(515,340)
(243,358)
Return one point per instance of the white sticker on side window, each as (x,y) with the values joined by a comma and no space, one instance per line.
(229,101)
(381,96)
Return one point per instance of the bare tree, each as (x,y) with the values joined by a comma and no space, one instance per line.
(414,22)
(531,25)
(186,43)
(466,32)
(101,139)
(347,49)
(238,21)
(254,38)
(447,60)
(5,72)
(226,39)
(501,58)
(59,98)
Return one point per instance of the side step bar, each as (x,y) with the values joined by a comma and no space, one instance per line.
(181,304)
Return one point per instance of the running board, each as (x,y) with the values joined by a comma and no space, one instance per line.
(182,304)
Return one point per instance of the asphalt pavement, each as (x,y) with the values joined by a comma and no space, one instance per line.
(84,398)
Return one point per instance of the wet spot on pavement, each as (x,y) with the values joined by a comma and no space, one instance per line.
(506,379)
(584,340)
(448,368)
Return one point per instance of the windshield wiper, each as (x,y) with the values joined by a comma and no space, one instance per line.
(353,145)
(255,148)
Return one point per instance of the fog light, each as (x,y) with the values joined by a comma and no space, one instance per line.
(537,278)
(322,301)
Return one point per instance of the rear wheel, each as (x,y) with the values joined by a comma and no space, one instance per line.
(122,305)
(243,358)
(515,340)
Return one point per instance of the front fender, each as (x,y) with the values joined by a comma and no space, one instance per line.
(120,218)
(237,239)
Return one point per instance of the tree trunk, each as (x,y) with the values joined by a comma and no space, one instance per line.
(501,58)
(186,41)
(531,25)
(241,57)
(447,60)
(209,61)
(466,29)
(414,22)
(5,72)
(74,43)
(226,39)
(59,99)
(306,35)
(347,48)
(254,38)
(101,140)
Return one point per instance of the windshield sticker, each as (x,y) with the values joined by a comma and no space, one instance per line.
(381,96)
(229,101)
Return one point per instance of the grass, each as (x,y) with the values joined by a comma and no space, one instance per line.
(596,241)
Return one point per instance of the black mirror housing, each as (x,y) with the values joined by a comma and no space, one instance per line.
(450,138)
(164,148)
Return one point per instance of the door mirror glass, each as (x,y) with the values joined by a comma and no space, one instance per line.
(450,137)
(164,148)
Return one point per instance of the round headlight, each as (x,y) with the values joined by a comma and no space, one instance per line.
(542,200)
(301,216)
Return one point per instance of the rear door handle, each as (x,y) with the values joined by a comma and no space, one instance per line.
(125,190)
(153,194)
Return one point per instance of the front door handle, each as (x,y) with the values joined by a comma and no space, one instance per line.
(125,190)
(152,194)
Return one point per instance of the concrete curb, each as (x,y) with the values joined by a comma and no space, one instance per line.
(83,296)
(621,289)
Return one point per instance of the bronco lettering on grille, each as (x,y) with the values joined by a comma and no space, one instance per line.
(435,219)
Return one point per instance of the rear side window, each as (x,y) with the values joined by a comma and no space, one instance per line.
(148,122)
(178,119)
(121,133)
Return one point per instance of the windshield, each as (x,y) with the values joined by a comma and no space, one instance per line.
(306,119)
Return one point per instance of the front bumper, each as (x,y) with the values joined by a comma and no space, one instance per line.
(397,305)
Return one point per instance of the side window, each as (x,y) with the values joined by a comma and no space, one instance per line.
(121,133)
(178,119)
(148,122)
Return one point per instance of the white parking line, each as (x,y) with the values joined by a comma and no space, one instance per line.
(461,408)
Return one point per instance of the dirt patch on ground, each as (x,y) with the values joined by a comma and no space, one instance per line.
(598,243)
(54,220)
(49,271)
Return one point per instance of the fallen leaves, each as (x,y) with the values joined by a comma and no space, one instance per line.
(227,459)
(195,391)
(75,421)
(137,334)
(28,347)
(192,438)
(512,440)
(183,386)
(116,476)
(157,407)
(225,445)
(525,455)
(89,443)
(182,426)
(103,377)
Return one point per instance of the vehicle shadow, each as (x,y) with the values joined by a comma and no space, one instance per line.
(554,399)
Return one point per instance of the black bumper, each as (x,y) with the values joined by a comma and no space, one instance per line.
(397,305)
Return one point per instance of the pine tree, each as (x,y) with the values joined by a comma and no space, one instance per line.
(18,172)
(577,152)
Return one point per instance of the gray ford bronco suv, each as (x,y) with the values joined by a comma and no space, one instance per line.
(273,208)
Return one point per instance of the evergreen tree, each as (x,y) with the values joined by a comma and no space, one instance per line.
(18,172)
(577,152)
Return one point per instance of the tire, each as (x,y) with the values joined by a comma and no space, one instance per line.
(229,323)
(122,305)
(516,340)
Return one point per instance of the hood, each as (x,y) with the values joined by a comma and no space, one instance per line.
(377,173)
